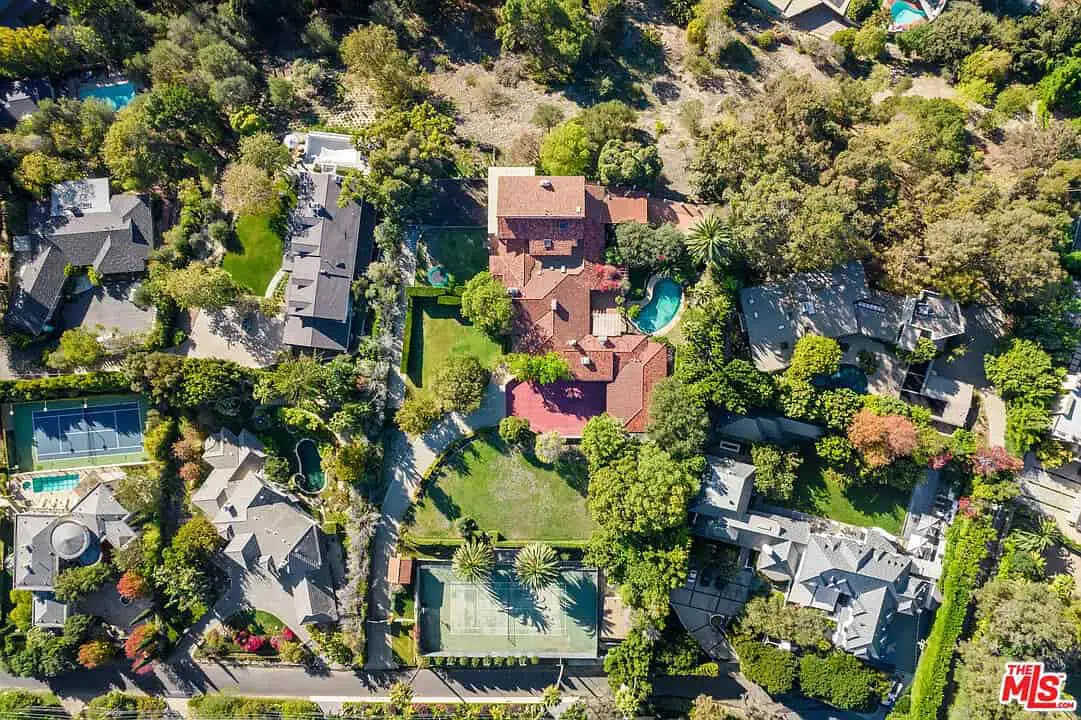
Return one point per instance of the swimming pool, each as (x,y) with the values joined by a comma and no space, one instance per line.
(115,94)
(847,376)
(662,306)
(904,14)
(52,483)
(310,479)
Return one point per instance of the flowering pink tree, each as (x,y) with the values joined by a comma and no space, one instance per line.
(993,460)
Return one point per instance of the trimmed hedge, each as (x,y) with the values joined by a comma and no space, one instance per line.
(841,680)
(772,668)
(967,543)
(62,386)
(443,296)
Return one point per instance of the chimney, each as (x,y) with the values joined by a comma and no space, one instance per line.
(603,340)
(555,304)
(586,361)
(546,184)
(572,343)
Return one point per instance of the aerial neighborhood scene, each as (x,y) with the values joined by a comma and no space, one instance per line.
(513,359)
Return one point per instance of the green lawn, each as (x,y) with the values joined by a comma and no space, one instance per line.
(870,505)
(258,252)
(257,622)
(438,333)
(401,643)
(462,251)
(507,491)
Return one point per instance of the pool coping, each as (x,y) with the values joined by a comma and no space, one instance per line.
(671,324)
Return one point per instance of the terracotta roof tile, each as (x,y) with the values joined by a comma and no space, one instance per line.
(540,228)
(601,367)
(556,303)
(559,197)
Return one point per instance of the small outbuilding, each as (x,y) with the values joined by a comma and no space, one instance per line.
(400,571)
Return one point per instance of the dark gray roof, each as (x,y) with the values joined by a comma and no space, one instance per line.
(836,304)
(117,242)
(324,249)
(726,487)
(20,98)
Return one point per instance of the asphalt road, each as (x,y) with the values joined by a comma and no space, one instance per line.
(186,681)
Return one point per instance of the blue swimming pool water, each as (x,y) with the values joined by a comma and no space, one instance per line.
(662,306)
(117,95)
(55,483)
(847,376)
(903,14)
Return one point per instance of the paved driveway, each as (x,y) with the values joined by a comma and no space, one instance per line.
(404,463)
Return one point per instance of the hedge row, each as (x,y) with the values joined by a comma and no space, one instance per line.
(967,542)
(480,662)
(443,296)
(772,668)
(63,386)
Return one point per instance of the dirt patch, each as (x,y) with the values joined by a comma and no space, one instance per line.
(496,100)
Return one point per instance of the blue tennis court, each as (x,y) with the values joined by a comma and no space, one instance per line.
(85,432)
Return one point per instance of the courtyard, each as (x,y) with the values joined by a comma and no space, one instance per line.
(462,252)
(507,491)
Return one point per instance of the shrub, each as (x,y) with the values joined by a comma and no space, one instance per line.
(514,430)
(772,668)
(841,680)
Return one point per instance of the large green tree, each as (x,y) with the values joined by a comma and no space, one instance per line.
(555,34)
(486,304)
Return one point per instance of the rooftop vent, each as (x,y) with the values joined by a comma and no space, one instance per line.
(548,244)
(546,184)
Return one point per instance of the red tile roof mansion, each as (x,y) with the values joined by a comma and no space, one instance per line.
(546,237)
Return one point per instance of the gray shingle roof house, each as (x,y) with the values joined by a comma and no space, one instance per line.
(860,582)
(46,544)
(837,304)
(263,528)
(81,226)
(20,98)
(322,262)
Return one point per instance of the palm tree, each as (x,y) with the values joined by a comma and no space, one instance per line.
(1038,540)
(536,566)
(473,561)
(710,241)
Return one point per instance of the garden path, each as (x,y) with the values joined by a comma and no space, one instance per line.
(404,463)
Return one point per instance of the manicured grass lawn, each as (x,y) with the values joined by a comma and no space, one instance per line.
(462,251)
(257,622)
(507,491)
(869,505)
(401,643)
(258,255)
(438,333)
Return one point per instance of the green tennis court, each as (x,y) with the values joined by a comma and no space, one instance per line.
(502,618)
(79,432)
